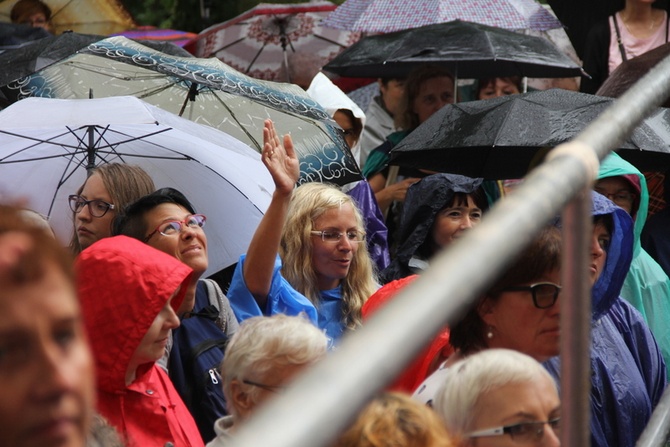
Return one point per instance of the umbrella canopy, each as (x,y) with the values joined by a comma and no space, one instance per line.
(469,50)
(259,41)
(203,90)
(385,16)
(504,137)
(102,17)
(47,144)
(630,71)
(179,38)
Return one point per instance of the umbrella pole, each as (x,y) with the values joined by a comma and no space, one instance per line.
(90,149)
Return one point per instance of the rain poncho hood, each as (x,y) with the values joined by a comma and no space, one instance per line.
(123,284)
(627,369)
(646,285)
(424,200)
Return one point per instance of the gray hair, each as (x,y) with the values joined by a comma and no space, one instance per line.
(477,374)
(263,345)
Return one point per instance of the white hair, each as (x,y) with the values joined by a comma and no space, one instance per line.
(477,374)
(264,345)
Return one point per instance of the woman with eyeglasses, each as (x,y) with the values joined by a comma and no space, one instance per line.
(628,373)
(646,286)
(104,194)
(520,311)
(498,398)
(308,253)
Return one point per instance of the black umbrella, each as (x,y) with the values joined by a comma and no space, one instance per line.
(505,137)
(469,50)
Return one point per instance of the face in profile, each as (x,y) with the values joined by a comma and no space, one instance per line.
(46,368)
(526,403)
(348,128)
(517,323)
(600,242)
(88,226)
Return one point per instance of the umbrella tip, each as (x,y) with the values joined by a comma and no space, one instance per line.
(90,93)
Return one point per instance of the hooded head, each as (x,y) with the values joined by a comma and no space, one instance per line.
(425,199)
(615,166)
(619,254)
(123,284)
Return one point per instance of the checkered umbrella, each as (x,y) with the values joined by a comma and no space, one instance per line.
(385,16)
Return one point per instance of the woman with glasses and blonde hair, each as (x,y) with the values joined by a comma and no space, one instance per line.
(308,253)
(106,191)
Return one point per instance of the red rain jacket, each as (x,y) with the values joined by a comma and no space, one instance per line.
(123,284)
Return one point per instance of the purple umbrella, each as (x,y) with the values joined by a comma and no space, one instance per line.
(385,16)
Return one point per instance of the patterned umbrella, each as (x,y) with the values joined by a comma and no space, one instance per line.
(385,16)
(203,90)
(102,17)
(258,41)
(179,38)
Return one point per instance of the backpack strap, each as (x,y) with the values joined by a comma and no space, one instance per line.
(618,39)
(215,296)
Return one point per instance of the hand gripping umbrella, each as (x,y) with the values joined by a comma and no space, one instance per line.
(46,146)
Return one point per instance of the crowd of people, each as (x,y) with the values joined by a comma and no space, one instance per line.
(120,340)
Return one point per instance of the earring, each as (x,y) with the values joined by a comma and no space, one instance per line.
(489,333)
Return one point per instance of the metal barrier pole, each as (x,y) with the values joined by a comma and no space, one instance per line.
(326,398)
(576,322)
(657,430)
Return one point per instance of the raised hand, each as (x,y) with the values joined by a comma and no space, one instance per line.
(280,159)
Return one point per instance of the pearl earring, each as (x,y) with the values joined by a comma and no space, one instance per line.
(489,333)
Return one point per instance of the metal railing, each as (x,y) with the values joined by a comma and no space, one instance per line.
(326,398)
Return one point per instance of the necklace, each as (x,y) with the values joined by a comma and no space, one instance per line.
(651,25)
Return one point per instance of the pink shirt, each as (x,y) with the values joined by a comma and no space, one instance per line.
(633,46)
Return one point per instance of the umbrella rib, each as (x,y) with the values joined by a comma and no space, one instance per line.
(256,56)
(325,39)
(225,47)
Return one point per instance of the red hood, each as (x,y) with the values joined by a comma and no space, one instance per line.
(420,368)
(123,284)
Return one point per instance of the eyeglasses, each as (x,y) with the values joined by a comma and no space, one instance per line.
(524,432)
(271,388)
(544,294)
(97,208)
(173,227)
(353,236)
(622,196)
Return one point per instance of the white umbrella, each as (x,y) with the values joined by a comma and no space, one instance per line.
(47,144)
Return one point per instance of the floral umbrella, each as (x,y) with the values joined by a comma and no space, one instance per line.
(258,41)
(102,17)
(203,90)
(385,16)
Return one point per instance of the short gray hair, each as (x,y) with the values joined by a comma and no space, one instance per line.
(479,373)
(263,345)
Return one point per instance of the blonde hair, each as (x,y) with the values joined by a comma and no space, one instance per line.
(308,203)
(396,420)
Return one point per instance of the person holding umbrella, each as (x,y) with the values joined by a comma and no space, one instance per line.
(323,268)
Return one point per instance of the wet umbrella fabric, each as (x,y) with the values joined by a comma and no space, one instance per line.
(46,146)
(258,42)
(151,33)
(503,138)
(203,90)
(630,71)
(469,50)
(385,16)
(102,17)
